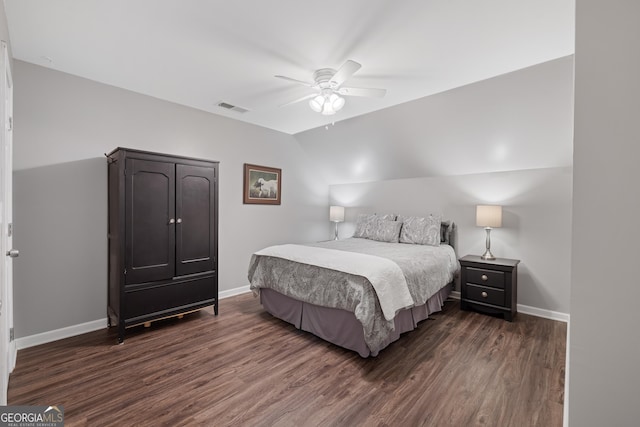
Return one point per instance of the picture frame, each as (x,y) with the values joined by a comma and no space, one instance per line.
(262,185)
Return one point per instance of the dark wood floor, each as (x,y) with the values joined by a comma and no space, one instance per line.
(245,368)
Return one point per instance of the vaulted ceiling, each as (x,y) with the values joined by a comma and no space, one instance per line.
(199,53)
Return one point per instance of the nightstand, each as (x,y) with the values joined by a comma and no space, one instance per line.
(490,286)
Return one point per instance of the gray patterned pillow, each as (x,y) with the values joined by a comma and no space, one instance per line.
(364,223)
(421,231)
(390,217)
(384,230)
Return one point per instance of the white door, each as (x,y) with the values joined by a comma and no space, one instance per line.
(7,253)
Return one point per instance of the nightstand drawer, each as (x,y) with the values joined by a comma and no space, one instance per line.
(485,294)
(481,276)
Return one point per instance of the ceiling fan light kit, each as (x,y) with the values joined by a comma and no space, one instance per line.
(317,103)
(327,103)
(327,83)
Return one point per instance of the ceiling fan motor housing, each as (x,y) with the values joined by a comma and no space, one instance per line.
(323,76)
(328,84)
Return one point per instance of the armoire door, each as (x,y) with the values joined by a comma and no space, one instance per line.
(195,221)
(150,220)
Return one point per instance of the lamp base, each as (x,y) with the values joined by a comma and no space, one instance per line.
(336,234)
(488,255)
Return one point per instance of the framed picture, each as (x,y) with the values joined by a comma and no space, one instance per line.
(262,185)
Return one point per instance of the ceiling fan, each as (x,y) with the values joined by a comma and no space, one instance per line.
(327,83)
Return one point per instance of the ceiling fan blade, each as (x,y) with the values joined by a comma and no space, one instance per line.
(296,81)
(361,91)
(346,71)
(299,99)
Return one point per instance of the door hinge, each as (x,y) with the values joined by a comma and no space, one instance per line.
(10,229)
(10,124)
(11,335)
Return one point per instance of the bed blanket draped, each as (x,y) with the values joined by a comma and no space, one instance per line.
(385,275)
(426,270)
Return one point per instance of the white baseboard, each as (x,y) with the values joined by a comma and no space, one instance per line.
(534,311)
(58,334)
(233,292)
(541,312)
(71,331)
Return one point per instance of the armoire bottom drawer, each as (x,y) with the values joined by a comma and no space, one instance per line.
(155,298)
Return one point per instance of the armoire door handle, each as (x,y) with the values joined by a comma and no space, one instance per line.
(13,253)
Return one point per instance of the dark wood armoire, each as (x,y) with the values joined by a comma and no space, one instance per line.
(163,236)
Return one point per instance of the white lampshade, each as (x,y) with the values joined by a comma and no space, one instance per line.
(336,213)
(327,109)
(337,102)
(316,103)
(489,216)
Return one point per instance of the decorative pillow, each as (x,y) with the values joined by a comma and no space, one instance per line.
(384,230)
(390,217)
(364,222)
(421,231)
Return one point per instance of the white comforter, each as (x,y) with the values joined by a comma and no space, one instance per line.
(385,275)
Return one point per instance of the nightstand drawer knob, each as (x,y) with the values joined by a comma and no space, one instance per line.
(484,277)
(484,294)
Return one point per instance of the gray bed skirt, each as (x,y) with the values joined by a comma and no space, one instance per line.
(341,327)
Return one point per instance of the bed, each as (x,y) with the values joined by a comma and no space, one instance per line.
(360,293)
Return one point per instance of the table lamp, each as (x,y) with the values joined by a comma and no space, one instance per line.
(488,216)
(336,214)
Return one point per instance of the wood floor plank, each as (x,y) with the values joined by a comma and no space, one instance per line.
(246,368)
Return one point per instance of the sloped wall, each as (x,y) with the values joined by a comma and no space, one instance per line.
(516,121)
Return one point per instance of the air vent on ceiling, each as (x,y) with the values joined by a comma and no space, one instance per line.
(231,107)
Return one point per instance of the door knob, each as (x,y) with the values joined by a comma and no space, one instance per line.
(13,253)
(171,221)
(179,221)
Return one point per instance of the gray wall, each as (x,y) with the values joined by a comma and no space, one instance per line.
(536,220)
(521,120)
(64,124)
(604,339)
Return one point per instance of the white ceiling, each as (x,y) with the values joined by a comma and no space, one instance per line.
(200,52)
